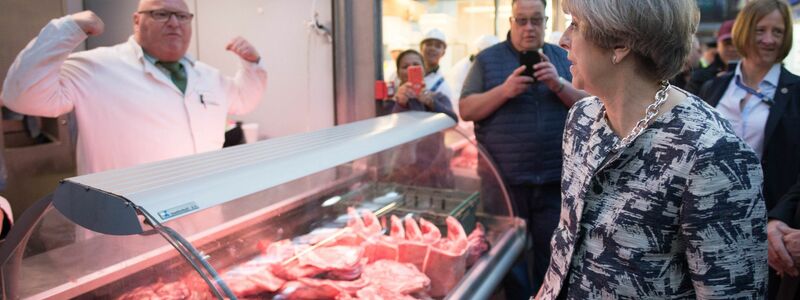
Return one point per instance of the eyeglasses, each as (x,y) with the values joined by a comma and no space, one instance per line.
(163,15)
(535,21)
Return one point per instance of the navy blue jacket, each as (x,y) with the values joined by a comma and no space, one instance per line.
(523,136)
(781,158)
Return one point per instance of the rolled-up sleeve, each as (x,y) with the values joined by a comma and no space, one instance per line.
(247,87)
(42,81)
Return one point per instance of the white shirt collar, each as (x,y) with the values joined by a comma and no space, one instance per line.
(186,59)
(772,77)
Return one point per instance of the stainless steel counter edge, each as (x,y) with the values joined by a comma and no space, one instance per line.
(486,274)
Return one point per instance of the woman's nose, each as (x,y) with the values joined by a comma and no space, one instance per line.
(564,41)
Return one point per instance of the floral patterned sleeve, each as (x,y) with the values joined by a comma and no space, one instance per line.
(723,223)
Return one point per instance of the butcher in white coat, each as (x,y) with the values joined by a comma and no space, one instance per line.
(139,101)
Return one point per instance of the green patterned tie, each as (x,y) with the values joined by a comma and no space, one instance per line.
(176,73)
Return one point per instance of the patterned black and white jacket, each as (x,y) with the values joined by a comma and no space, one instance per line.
(677,214)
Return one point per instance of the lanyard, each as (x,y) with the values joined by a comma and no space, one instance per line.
(437,84)
(751,91)
(750,105)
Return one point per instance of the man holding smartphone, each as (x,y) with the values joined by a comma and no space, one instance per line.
(520,120)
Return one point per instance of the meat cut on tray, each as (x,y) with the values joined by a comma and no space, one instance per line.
(359,261)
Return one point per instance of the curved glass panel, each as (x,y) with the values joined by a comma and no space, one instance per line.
(326,235)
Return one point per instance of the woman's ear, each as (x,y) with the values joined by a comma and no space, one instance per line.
(619,53)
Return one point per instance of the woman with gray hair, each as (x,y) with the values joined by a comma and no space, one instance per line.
(660,199)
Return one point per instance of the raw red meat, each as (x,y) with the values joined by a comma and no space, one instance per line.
(397,232)
(385,247)
(412,250)
(397,277)
(355,221)
(348,274)
(366,223)
(142,292)
(293,270)
(304,289)
(335,258)
(180,289)
(447,259)
(253,277)
(253,284)
(373,292)
(279,251)
(478,244)
(413,233)
(372,225)
(284,263)
(344,286)
(430,233)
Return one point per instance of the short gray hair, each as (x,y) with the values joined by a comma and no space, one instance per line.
(659,32)
(515,1)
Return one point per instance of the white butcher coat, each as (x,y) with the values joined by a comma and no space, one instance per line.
(128,111)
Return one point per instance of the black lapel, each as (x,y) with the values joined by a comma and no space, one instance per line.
(719,90)
(782,97)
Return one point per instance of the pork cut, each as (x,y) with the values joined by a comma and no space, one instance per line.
(396,277)
(374,292)
(478,244)
(447,259)
(412,250)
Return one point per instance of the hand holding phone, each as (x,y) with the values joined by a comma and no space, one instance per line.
(528,59)
(415,77)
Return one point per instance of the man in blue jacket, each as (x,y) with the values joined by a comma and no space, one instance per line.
(520,119)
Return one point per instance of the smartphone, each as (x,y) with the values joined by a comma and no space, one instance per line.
(415,75)
(528,59)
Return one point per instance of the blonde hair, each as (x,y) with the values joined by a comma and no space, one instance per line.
(744,29)
(658,32)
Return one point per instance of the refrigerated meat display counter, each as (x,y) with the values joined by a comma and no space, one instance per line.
(366,209)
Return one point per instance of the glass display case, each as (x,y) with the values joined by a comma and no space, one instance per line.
(368,209)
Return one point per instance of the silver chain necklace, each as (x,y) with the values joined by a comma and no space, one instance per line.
(650,113)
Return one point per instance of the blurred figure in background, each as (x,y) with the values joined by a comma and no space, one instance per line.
(692,63)
(459,71)
(433,47)
(709,54)
(761,98)
(390,67)
(428,163)
(726,55)
(410,96)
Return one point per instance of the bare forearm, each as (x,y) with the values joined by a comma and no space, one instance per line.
(477,107)
(569,94)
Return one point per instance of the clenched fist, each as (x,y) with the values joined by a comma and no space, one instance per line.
(244,49)
(89,22)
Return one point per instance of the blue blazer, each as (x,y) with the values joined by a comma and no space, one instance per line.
(781,158)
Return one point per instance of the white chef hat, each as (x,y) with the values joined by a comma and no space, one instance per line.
(434,34)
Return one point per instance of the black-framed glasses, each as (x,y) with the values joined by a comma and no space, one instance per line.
(535,21)
(163,15)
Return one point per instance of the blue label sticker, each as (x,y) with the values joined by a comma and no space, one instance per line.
(178,210)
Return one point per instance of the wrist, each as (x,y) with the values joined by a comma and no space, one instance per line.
(561,84)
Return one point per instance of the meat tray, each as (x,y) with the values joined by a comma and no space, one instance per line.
(102,235)
(433,204)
